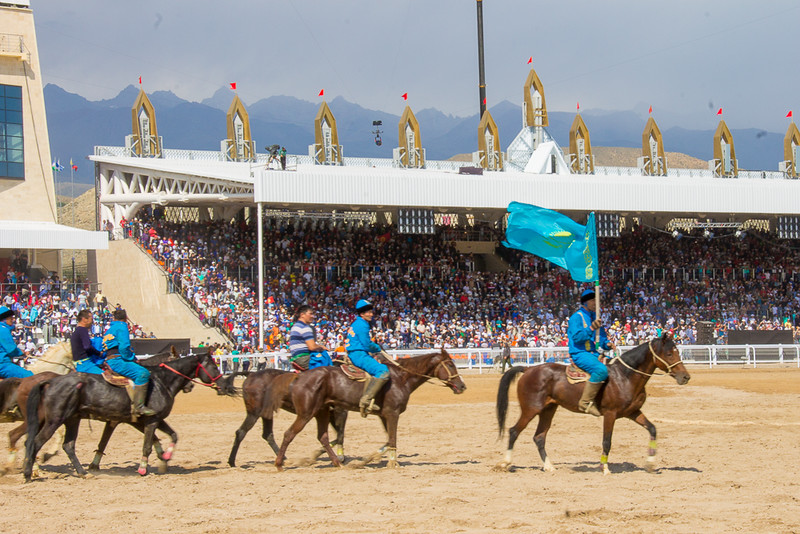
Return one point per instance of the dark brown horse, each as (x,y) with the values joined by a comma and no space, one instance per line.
(313,392)
(543,388)
(265,392)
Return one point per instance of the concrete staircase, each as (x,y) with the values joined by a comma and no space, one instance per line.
(132,278)
(483,252)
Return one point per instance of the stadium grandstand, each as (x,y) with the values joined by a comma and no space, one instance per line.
(697,252)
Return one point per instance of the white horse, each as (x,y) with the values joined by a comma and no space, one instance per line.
(57,359)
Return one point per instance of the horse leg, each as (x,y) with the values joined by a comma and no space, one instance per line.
(147,447)
(323,420)
(108,430)
(299,423)
(165,455)
(30,468)
(545,419)
(267,434)
(513,433)
(338,421)
(608,429)
(13,438)
(247,424)
(54,444)
(71,427)
(390,423)
(639,418)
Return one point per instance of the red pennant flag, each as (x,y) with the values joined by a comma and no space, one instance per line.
(484,101)
(404,96)
(788,115)
(140,80)
(233,86)
(650,110)
(530,60)
(719,112)
(579,106)
(321,92)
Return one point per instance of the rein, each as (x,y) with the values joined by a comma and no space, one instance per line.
(656,357)
(444,383)
(68,366)
(196,373)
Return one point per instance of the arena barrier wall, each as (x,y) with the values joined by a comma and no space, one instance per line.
(488,360)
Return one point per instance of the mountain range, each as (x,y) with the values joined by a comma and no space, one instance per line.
(76,125)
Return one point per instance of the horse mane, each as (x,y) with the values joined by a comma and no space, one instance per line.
(414,364)
(160,358)
(635,357)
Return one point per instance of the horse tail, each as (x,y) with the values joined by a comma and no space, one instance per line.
(502,396)
(32,418)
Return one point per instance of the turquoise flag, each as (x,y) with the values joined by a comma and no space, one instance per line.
(556,238)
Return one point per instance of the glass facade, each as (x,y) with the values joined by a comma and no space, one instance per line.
(12,163)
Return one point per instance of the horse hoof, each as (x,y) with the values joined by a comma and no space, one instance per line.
(46,456)
(548,469)
(93,467)
(167,456)
(142,471)
(606,470)
(392,464)
(162,468)
(87,476)
(502,466)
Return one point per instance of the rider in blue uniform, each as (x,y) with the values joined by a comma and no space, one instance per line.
(359,345)
(121,360)
(9,349)
(581,333)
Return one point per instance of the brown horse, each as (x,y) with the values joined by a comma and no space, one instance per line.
(543,388)
(265,392)
(314,391)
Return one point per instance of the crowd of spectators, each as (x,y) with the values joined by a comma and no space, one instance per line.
(427,294)
(46,312)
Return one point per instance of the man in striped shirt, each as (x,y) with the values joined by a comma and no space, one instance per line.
(306,352)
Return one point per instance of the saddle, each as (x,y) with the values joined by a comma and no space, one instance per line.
(116,380)
(351,371)
(576,375)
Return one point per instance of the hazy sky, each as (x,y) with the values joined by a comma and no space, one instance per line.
(686,58)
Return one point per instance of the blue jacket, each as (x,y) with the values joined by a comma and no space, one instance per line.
(580,333)
(8,349)
(121,340)
(358,337)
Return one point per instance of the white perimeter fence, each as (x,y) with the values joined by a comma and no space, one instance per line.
(487,359)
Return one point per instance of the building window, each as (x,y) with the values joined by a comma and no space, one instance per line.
(12,162)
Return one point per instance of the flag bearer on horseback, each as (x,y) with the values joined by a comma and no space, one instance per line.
(306,352)
(121,360)
(359,345)
(9,349)
(583,326)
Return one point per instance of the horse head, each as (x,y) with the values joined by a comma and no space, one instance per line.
(668,359)
(447,372)
(208,373)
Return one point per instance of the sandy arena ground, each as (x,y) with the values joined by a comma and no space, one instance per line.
(727,462)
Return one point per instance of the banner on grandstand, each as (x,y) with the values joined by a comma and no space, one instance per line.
(556,238)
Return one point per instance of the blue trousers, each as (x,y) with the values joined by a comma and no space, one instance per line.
(319,359)
(88,366)
(12,370)
(588,362)
(134,371)
(363,360)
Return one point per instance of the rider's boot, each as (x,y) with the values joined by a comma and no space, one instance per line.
(367,404)
(139,394)
(587,404)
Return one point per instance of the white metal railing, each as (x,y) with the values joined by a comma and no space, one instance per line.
(486,359)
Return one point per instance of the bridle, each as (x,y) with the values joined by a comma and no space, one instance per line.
(197,369)
(656,358)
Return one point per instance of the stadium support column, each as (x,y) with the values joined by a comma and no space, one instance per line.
(260,233)
(481,76)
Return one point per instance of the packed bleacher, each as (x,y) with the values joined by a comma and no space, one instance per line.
(46,311)
(427,294)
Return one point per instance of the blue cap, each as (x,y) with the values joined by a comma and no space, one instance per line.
(587,295)
(5,313)
(363,306)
